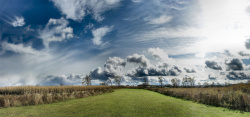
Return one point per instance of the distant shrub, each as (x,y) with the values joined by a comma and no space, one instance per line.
(1,101)
(233,97)
(35,95)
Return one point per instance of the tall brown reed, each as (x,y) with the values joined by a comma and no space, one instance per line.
(233,97)
(34,95)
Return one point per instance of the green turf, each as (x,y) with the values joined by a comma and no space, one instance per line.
(123,102)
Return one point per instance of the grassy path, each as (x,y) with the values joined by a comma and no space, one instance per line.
(123,102)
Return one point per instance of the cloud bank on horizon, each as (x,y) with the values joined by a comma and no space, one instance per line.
(49,42)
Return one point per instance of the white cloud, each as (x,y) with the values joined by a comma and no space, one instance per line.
(225,25)
(138,59)
(72,79)
(99,34)
(178,32)
(112,68)
(161,20)
(78,9)
(30,67)
(136,1)
(20,48)
(56,30)
(200,55)
(218,26)
(18,21)
(158,53)
(116,61)
(247,44)
(242,53)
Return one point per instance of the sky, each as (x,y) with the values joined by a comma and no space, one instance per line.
(49,42)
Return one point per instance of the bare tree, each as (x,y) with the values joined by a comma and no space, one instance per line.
(160,80)
(206,84)
(103,83)
(118,80)
(192,81)
(218,84)
(175,82)
(87,79)
(212,84)
(145,81)
(226,83)
(187,80)
(199,84)
(83,81)
(109,81)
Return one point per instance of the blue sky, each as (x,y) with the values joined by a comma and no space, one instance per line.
(48,42)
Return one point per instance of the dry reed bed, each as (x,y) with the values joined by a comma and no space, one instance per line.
(34,95)
(234,97)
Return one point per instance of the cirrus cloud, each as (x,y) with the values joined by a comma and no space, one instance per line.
(160,20)
(78,9)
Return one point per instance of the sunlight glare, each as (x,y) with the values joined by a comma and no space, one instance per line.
(225,24)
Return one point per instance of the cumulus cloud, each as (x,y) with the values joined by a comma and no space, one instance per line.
(116,61)
(175,71)
(56,30)
(234,64)
(138,59)
(188,70)
(233,75)
(72,79)
(161,20)
(18,22)
(154,71)
(242,53)
(99,33)
(142,71)
(112,67)
(145,68)
(227,52)
(158,53)
(247,44)
(78,9)
(163,65)
(98,73)
(213,65)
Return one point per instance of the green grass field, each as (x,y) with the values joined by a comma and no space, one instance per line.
(123,102)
